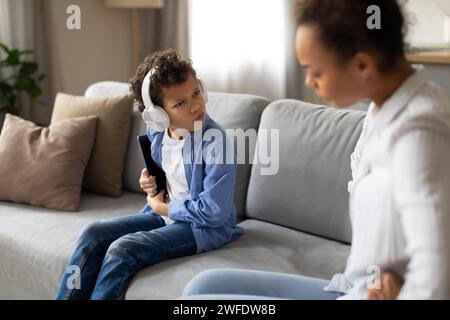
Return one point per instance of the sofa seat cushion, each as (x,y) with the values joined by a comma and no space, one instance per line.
(265,246)
(35,247)
(36,243)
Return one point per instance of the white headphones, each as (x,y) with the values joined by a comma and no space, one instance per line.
(154,116)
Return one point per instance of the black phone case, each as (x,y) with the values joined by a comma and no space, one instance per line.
(152,167)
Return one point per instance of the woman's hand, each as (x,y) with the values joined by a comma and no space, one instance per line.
(158,204)
(390,287)
(148,183)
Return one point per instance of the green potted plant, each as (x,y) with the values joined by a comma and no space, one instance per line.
(18,78)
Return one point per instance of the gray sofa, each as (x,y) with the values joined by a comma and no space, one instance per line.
(296,221)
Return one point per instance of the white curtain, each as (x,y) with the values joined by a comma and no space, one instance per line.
(22,27)
(17,32)
(427,21)
(16,23)
(238,46)
(165,28)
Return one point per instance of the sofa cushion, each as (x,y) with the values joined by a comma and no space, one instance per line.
(36,243)
(265,246)
(105,167)
(45,166)
(232,111)
(239,111)
(309,192)
(133,158)
(35,263)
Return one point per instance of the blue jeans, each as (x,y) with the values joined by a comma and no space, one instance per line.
(225,284)
(109,253)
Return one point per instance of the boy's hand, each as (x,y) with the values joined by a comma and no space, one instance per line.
(390,288)
(157,203)
(147,183)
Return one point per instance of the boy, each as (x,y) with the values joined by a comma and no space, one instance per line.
(200,215)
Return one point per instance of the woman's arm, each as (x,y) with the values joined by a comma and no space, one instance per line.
(421,178)
(355,157)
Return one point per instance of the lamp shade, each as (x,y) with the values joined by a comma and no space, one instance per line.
(134,4)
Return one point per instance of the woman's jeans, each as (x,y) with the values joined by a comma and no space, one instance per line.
(225,284)
(109,253)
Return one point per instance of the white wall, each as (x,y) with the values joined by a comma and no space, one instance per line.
(101,50)
(428,17)
(427,21)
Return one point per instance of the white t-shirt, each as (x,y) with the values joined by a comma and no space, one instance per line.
(173,166)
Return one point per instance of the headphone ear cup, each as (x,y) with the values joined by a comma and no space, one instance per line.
(156,118)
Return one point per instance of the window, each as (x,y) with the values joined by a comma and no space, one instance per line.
(239,46)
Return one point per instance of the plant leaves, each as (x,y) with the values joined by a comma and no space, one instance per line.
(21,79)
(13,58)
(23,84)
(4,47)
(7,101)
(35,92)
(5,88)
(28,68)
(25,52)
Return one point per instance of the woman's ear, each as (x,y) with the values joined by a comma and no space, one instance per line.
(365,64)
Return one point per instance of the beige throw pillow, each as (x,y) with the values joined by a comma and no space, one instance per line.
(45,166)
(105,168)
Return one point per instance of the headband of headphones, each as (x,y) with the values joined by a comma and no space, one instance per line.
(145,89)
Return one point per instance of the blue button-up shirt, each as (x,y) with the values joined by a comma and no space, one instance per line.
(210,174)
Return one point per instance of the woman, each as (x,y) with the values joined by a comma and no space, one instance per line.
(400,191)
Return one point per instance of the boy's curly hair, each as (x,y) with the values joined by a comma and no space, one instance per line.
(170,70)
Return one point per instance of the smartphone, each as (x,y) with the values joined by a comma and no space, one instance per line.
(150,164)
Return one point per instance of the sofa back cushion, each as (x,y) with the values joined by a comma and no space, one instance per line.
(232,111)
(105,167)
(309,192)
(242,112)
(134,163)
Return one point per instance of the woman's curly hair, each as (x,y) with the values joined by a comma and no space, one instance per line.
(170,69)
(342,27)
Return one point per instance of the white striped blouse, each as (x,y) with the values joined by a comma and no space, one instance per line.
(400,195)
